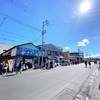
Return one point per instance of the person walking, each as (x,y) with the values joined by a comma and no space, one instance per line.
(99,66)
(47,63)
(85,64)
(19,68)
(1,66)
(51,64)
(5,67)
(89,64)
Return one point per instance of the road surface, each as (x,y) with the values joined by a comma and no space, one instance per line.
(43,84)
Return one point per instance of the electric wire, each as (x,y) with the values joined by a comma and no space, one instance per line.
(37,39)
(2,21)
(20,36)
(25,8)
(10,40)
(19,22)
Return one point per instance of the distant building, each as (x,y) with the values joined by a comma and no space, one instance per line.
(66,55)
(4,47)
(51,51)
(75,57)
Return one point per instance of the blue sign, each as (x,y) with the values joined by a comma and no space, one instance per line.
(22,51)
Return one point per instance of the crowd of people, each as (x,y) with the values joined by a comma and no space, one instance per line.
(4,67)
(87,63)
(49,64)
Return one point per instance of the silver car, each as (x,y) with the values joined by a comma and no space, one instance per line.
(65,63)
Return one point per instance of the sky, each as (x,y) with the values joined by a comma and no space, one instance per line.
(21,21)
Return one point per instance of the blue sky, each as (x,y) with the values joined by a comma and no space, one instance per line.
(21,22)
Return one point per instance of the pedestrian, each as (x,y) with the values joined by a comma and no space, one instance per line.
(51,64)
(99,66)
(19,68)
(1,66)
(47,64)
(85,64)
(89,64)
(99,85)
(5,67)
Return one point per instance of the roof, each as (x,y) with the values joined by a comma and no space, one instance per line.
(18,46)
(50,47)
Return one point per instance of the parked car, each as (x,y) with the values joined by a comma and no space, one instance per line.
(65,63)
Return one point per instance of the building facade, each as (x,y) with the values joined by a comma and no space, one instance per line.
(75,57)
(51,51)
(4,47)
(66,55)
(27,53)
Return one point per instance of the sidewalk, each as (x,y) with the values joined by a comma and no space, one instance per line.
(95,91)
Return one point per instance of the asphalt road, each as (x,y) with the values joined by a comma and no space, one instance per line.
(43,84)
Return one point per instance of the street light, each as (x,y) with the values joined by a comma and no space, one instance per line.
(45,23)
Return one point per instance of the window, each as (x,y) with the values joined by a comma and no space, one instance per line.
(48,52)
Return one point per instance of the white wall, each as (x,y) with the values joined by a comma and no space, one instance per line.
(4,47)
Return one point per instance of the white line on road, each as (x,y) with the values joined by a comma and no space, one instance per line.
(87,98)
(76,78)
(63,89)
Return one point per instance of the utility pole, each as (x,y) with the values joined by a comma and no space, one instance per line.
(78,54)
(45,23)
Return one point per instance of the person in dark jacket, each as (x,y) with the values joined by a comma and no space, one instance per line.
(85,64)
(89,64)
(1,66)
(51,64)
(19,68)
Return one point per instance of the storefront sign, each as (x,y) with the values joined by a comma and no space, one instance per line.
(28,52)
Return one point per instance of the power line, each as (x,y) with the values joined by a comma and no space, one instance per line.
(18,35)
(37,39)
(20,22)
(10,36)
(2,21)
(21,36)
(25,8)
(3,38)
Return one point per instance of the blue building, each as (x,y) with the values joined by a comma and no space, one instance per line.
(27,53)
(51,51)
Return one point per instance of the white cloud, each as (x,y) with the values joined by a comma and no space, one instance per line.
(97,37)
(67,48)
(96,55)
(83,42)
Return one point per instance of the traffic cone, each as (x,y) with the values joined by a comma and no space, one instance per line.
(99,85)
